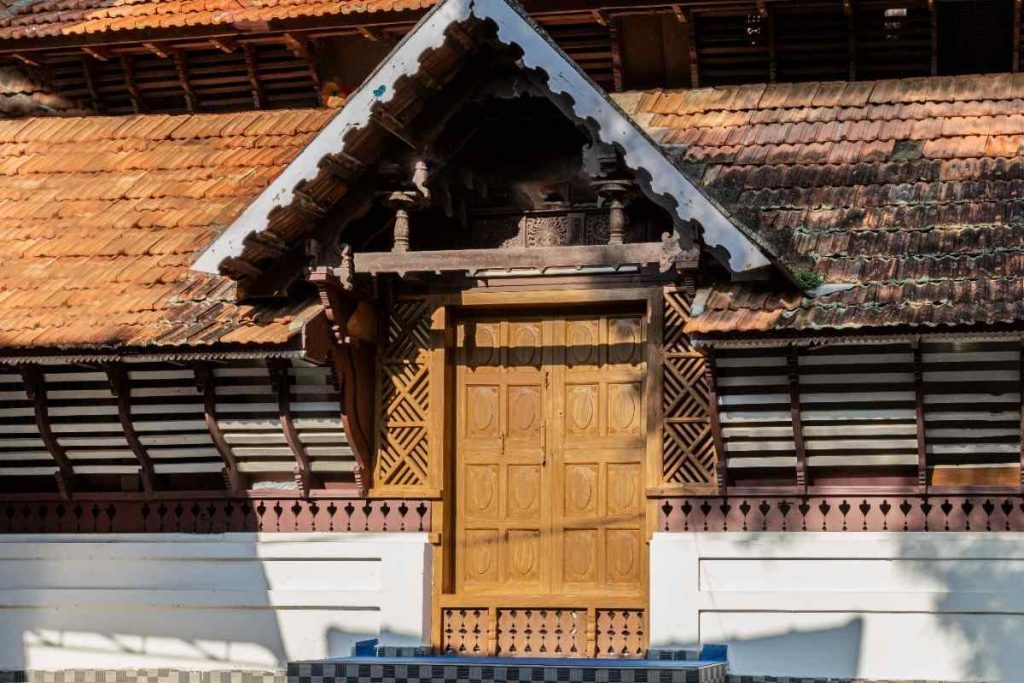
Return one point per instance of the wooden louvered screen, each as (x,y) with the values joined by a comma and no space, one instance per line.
(284,79)
(167,412)
(23,454)
(733,48)
(315,405)
(893,41)
(403,449)
(754,410)
(972,408)
(857,407)
(590,46)
(811,45)
(688,446)
(863,410)
(220,80)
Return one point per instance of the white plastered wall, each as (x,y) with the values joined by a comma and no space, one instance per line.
(237,600)
(941,606)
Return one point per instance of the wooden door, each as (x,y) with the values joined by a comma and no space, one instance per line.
(550,438)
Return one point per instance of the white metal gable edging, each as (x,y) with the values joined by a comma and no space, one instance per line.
(609,123)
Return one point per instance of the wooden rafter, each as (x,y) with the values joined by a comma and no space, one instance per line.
(129,83)
(258,100)
(205,382)
(35,388)
(120,386)
(281,381)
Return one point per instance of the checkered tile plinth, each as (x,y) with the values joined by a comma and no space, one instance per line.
(467,670)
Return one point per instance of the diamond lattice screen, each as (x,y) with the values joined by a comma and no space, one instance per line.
(688,446)
(403,439)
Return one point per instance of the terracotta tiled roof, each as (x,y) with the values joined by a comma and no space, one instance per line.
(43,18)
(909,191)
(101,217)
(23,95)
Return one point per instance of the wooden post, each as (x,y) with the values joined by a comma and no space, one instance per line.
(691,38)
(129,83)
(1020,388)
(615,40)
(794,412)
(711,374)
(181,68)
(851,38)
(1016,35)
(769,21)
(934,16)
(922,450)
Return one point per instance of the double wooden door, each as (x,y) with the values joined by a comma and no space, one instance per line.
(551,433)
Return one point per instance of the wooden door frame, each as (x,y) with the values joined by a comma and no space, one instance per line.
(447,309)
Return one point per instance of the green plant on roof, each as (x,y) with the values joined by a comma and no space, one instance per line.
(807,279)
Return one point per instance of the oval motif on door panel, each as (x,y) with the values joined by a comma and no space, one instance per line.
(580,552)
(623,489)
(525,408)
(481,488)
(623,408)
(525,349)
(524,488)
(581,489)
(582,408)
(625,340)
(623,556)
(485,345)
(523,558)
(582,342)
(481,558)
(482,405)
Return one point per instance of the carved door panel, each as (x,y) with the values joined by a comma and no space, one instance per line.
(599,438)
(503,506)
(550,441)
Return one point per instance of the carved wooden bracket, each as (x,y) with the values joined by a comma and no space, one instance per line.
(35,388)
(353,352)
(205,384)
(282,383)
(120,386)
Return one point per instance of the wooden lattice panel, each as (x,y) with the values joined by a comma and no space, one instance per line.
(403,406)
(620,633)
(464,631)
(688,447)
(542,632)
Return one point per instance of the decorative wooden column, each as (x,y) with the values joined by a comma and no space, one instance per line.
(405,201)
(616,193)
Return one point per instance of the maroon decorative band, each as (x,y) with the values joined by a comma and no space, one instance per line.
(839,513)
(214,515)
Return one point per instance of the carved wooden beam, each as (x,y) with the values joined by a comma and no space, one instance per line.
(711,375)
(354,357)
(120,386)
(282,382)
(205,383)
(35,388)
(666,254)
(793,364)
(922,446)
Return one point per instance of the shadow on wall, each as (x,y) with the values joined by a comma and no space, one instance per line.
(981,601)
(195,603)
(798,652)
(942,605)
